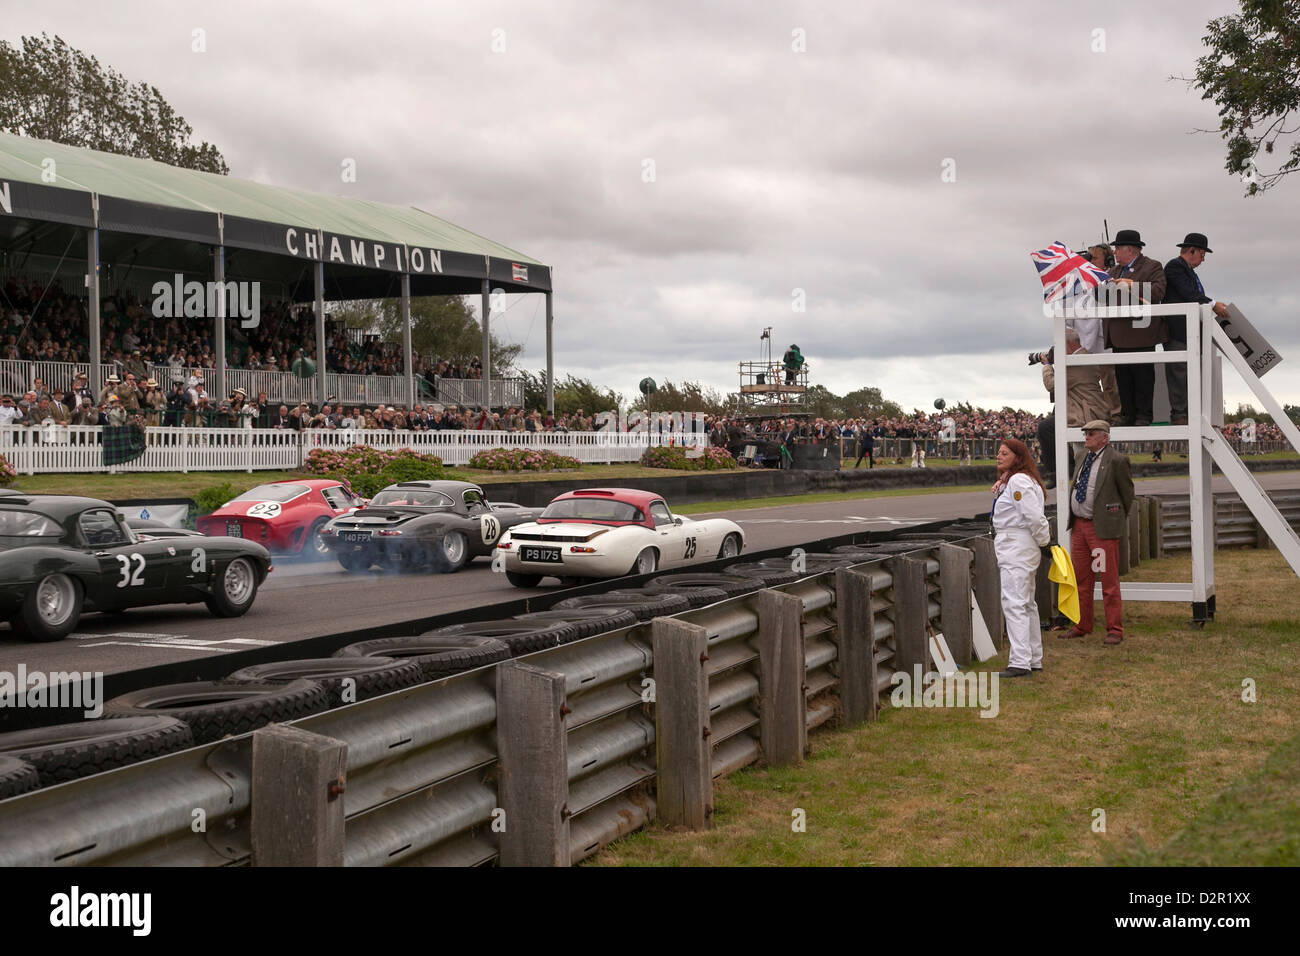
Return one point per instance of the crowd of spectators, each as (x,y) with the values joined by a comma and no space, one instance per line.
(39,324)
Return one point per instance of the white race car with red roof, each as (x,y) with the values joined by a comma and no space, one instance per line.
(610,532)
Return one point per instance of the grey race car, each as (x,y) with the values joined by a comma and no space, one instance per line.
(422,525)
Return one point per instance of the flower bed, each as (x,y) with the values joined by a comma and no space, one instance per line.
(369,470)
(523,459)
(7,473)
(687,459)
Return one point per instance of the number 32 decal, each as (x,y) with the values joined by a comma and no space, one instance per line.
(131,577)
(690,549)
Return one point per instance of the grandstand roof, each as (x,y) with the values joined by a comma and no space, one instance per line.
(360,240)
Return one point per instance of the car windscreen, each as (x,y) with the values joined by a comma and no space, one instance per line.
(280,493)
(25,527)
(411,498)
(591,509)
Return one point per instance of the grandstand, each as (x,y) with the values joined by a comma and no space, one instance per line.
(85,237)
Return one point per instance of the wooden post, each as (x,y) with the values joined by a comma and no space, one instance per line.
(988,588)
(1143,506)
(911,606)
(533,784)
(1122,550)
(1157,529)
(297,797)
(954,599)
(1043,592)
(783,702)
(683,753)
(1134,536)
(856,626)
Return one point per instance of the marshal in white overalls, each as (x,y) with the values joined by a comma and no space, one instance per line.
(1021,529)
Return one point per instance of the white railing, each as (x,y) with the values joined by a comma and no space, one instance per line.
(77,448)
(16,376)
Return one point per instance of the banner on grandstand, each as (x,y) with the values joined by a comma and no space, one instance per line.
(48,203)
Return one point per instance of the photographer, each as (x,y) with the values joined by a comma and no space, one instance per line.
(178,403)
(1084,400)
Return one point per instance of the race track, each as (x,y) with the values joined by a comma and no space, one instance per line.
(304,600)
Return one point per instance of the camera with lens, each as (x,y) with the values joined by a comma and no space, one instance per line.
(1036,357)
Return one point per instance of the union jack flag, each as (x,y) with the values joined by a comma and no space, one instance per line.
(1066,274)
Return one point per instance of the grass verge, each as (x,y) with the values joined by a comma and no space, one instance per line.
(1154,732)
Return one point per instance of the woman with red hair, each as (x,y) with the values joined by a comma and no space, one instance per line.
(1021,530)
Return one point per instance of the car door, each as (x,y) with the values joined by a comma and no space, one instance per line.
(131,572)
(485,523)
(675,549)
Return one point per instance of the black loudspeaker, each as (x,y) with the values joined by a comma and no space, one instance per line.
(761,380)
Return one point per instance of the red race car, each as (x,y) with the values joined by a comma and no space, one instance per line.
(284,516)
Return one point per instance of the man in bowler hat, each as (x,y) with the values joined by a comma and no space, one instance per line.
(1143,277)
(1183,285)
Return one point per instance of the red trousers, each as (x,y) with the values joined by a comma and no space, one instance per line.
(1083,545)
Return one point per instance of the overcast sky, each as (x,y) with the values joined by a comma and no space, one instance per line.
(775,169)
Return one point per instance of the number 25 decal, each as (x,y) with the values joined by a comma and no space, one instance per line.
(690,549)
(131,578)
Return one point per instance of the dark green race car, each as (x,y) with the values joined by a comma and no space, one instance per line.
(61,555)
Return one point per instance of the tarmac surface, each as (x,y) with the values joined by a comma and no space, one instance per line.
(309,599)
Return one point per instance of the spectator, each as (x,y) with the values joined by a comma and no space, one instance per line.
(1144,277)
(10,413)
(1183,285)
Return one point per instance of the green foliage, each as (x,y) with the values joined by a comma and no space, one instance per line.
(674,456)
(868,402)
(688,397)
(369,470)
(48,90)
(522,459)
(441,325)
(571,394)
(210,499)
(1251,75)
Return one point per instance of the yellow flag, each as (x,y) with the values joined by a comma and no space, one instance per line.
(1062,572)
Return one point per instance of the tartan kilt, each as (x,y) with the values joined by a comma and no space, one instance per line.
(123,443)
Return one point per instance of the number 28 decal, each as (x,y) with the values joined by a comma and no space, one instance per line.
(131,577)
(690,549)
(490,527)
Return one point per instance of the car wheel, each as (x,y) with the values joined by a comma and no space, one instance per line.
(315,547)
(51,609)
(234,590)
(523,580)
(647,562)
(351,561)
(452,553)
(730,546)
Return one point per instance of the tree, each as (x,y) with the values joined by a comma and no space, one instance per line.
(868,402)
(689,397)
(571,394)
(1252,73)
(441,325)
(48,90)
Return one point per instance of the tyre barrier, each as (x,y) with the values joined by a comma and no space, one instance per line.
(731,585)
(770,576)
(368,676)
(644,605)
(16,776)
(587,621)
(69,751)
(438,657)
(220,708)
(521,637)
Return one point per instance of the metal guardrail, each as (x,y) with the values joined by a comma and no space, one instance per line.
(425,765)
(1234,525)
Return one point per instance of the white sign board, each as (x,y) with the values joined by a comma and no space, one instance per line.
(1254,348)
(171,515)
(942,657)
